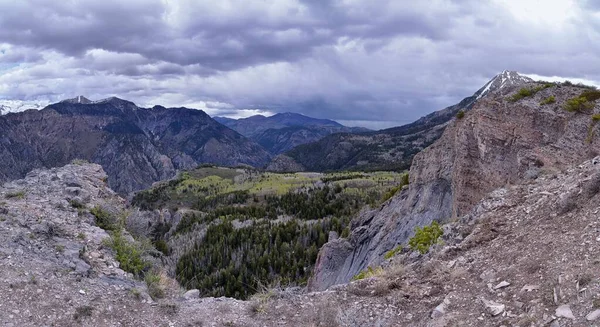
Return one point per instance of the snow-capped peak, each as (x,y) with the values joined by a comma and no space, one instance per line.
(504,79)
(7,106)
(78,99)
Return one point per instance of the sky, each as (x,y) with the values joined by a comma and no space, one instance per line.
(371,63)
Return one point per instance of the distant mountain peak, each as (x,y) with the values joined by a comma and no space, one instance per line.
(80,99)
(504,79)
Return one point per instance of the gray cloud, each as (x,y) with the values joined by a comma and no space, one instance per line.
(378,63)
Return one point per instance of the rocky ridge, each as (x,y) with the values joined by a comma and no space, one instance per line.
(498,142)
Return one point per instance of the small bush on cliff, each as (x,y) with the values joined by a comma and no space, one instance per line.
(549,100)
(578,104)
(460,114)
(128,254)
(368,273)
(596,117)
(391,253)
(389,194)
(155,284)
(523,93)
(425,237)
(105,219)
(591,95)
(527,92)
(15,195)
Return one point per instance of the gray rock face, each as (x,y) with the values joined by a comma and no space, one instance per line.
(495,144)
(135,146)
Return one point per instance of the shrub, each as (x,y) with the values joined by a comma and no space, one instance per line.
(549,100)
(15,195)
(81,312)
(368,273)
(162,246)
(391,253)
(76,204)
(389,194)
(460,114)
(105,219)
(591,95)
(155,286)
(79,162)
(578,104)
(128,254)
(527,92)
(523,93)
(425,237)
(596,117)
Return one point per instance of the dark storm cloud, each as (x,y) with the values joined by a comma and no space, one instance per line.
(384,60)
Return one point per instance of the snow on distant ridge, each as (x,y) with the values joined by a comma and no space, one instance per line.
(7,106)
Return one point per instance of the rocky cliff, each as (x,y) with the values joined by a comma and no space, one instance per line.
(135,146)
(499,142)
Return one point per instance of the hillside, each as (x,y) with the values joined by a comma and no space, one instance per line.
(284,131)
(227,231)
(389,149)
(135,146)
(503,140)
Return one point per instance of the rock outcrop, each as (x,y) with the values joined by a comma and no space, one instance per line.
(497,143)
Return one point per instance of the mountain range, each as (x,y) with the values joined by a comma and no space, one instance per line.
(138,146)
(135,146)
(284,131)
(391,148)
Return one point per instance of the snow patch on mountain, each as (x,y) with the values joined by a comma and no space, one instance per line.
(504,79)
(8,106)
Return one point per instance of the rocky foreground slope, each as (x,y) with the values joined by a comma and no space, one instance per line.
(526,255)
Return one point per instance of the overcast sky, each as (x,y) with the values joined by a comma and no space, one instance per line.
(373,63)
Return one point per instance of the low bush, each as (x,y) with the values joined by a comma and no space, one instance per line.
(368,273)
(527,92)
(578,104)
(391,253)
(425,237)
(591,95)
(523,93)
(389,194)
(549,100)
(155,286)
(105,219)
(596,117)
(77,204)
(79,162)
(128,254)
(460,114)
(15,195)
